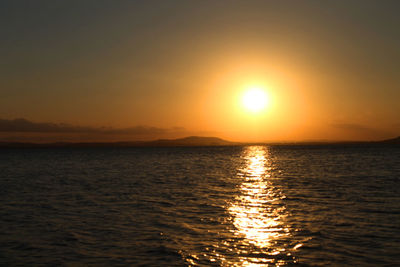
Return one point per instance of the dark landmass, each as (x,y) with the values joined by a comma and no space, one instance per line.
(192,141)
(187,141)
(181,142)
(392,141)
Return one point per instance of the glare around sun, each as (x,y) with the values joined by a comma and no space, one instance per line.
(255,99)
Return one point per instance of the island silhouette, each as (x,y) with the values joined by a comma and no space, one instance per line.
(182,142)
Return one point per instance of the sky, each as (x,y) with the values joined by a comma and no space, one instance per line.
(141,70)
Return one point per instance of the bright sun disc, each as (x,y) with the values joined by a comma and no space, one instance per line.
(255,99)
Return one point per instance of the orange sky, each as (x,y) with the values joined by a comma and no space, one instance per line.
(331,69)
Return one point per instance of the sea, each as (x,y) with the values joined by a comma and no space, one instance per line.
(282,205)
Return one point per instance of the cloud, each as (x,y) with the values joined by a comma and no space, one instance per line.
(26,126)
(23,125)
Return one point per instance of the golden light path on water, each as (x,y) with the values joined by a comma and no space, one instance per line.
(257,215)
(259,234)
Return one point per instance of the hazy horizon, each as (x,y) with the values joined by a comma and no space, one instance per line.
(22,130)
(127,70)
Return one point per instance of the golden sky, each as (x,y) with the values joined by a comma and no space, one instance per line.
(330,70)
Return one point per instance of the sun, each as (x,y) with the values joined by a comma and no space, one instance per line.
(255,99)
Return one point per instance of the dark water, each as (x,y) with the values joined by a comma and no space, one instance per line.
(229,206)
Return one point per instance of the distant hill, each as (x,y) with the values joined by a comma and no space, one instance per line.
(181,142)
(391,141)
(187,141)
(190,141)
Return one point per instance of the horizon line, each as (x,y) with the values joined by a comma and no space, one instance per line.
(188,141)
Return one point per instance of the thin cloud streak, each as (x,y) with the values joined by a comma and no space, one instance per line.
(23,125)
(23,130)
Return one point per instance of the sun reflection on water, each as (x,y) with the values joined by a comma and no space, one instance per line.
(256,231)
(257,214)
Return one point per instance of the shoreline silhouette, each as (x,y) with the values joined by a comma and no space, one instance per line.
(189,141)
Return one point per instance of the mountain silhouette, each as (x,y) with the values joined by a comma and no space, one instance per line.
(392,141)
(191,141)
(186,141)
(180,142)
